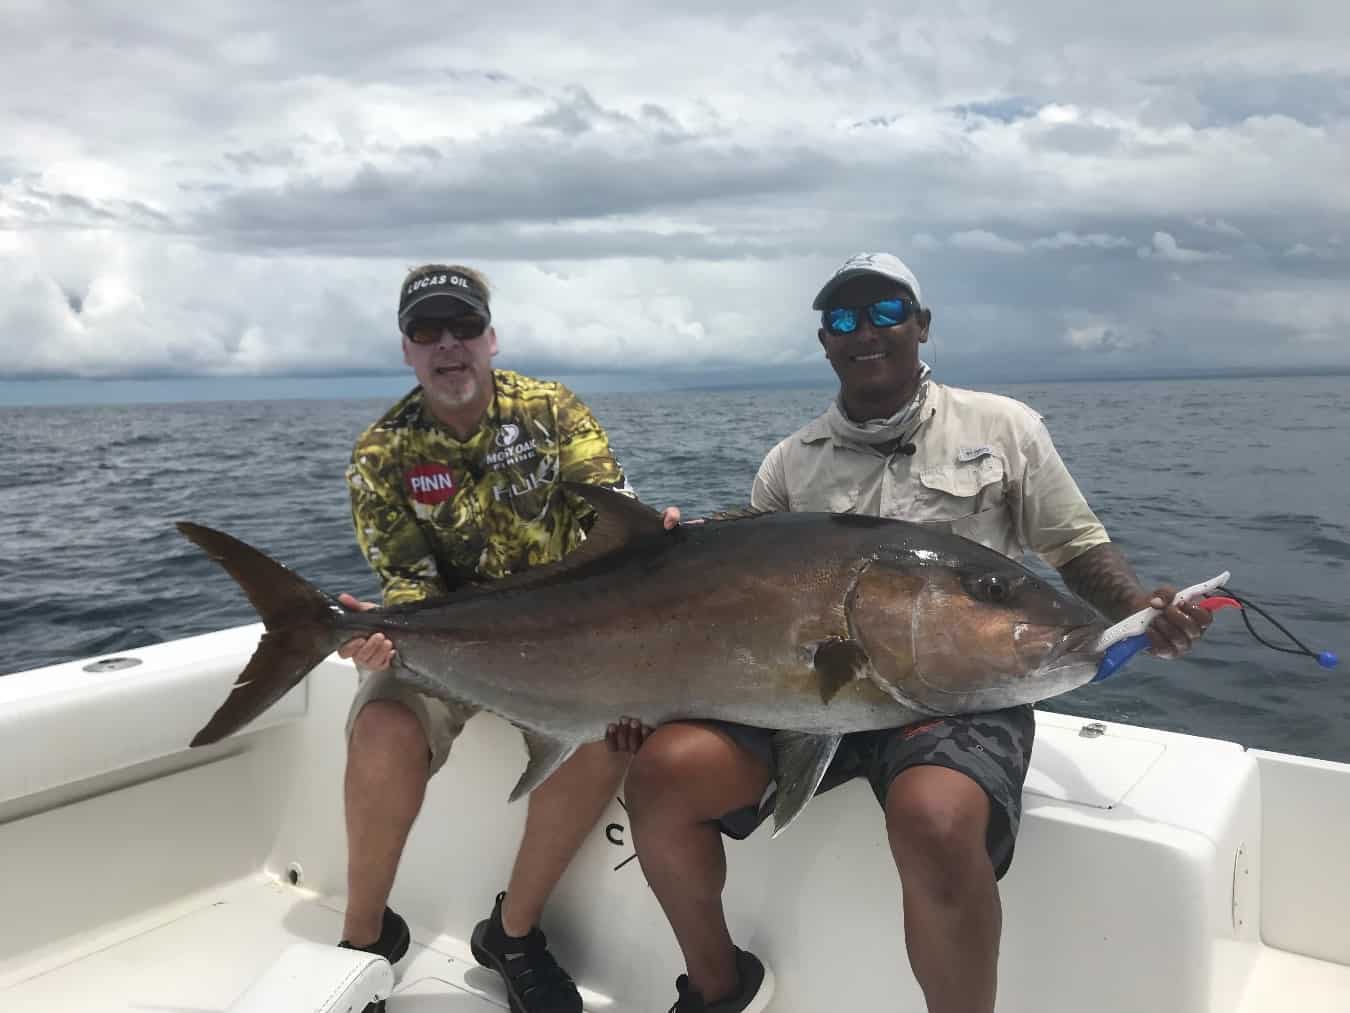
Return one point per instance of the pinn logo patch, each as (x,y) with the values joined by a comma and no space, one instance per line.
(431,484)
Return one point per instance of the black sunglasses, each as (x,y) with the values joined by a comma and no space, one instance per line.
(462,328)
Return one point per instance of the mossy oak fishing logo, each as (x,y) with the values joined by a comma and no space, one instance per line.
(511,449)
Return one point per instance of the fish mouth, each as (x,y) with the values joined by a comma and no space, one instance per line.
(1079,643)
(1071,660)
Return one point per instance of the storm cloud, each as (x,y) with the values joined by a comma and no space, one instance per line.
(238,190)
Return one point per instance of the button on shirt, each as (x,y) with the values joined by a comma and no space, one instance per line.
(984,467)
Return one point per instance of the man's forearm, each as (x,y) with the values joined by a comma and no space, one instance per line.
(1104,579)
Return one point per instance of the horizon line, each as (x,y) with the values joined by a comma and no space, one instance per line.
(642,382)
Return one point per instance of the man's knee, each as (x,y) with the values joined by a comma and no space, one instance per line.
(689,767)
(385,727)
(937,821)
(669,758)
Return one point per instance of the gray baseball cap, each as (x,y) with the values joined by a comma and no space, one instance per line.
(885,264)
(439,292)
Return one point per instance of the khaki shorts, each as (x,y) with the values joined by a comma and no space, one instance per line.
(441,720)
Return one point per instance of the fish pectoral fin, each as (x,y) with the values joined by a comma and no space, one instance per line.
(800,761)
(547,754)
(838,662)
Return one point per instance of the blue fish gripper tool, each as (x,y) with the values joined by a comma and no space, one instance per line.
(1117,654)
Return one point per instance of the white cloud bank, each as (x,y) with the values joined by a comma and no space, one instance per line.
(236,191)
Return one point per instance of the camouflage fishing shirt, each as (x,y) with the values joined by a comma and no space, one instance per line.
(432,512)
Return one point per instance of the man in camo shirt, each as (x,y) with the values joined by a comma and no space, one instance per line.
(459,483)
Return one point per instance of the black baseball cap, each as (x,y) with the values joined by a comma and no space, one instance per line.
(438,292)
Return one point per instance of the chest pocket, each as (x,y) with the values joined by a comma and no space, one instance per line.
(965,497)
(828,480)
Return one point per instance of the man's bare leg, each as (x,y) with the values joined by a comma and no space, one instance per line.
(386,780)
(683,780)
(936,820)
(561,813)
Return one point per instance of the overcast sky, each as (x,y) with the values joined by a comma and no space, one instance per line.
(236,189)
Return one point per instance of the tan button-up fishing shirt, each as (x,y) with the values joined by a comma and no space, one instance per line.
(984,467)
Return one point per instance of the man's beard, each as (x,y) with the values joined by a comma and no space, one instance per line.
(459,392)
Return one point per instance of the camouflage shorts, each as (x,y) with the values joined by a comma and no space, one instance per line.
(993,750)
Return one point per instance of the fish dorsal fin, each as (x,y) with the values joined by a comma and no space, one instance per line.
(547,754)
(619,519)
(620,522)
(739,514)
(800,761)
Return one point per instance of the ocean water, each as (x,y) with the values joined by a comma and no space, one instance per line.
(1190,477)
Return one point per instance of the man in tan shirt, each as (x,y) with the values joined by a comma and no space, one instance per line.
(895,443)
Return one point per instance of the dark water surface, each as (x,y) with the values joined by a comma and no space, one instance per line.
(1190,477)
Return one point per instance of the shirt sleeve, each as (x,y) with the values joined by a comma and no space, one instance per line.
(584,454)
(388,533)
(769,491)
(1056,521)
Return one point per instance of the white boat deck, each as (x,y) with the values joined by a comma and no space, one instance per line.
(1156,873)
(1287,981)
(199,955)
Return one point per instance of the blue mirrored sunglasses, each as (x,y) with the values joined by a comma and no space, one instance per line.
(883,313)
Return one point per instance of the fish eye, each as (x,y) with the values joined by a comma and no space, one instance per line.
(996,588)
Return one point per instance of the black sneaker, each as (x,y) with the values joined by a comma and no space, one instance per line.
(755,992)
(534,981)
(392,945)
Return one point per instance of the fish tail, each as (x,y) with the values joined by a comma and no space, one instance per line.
(301,629)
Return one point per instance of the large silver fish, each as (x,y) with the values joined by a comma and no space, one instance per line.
(815,624)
